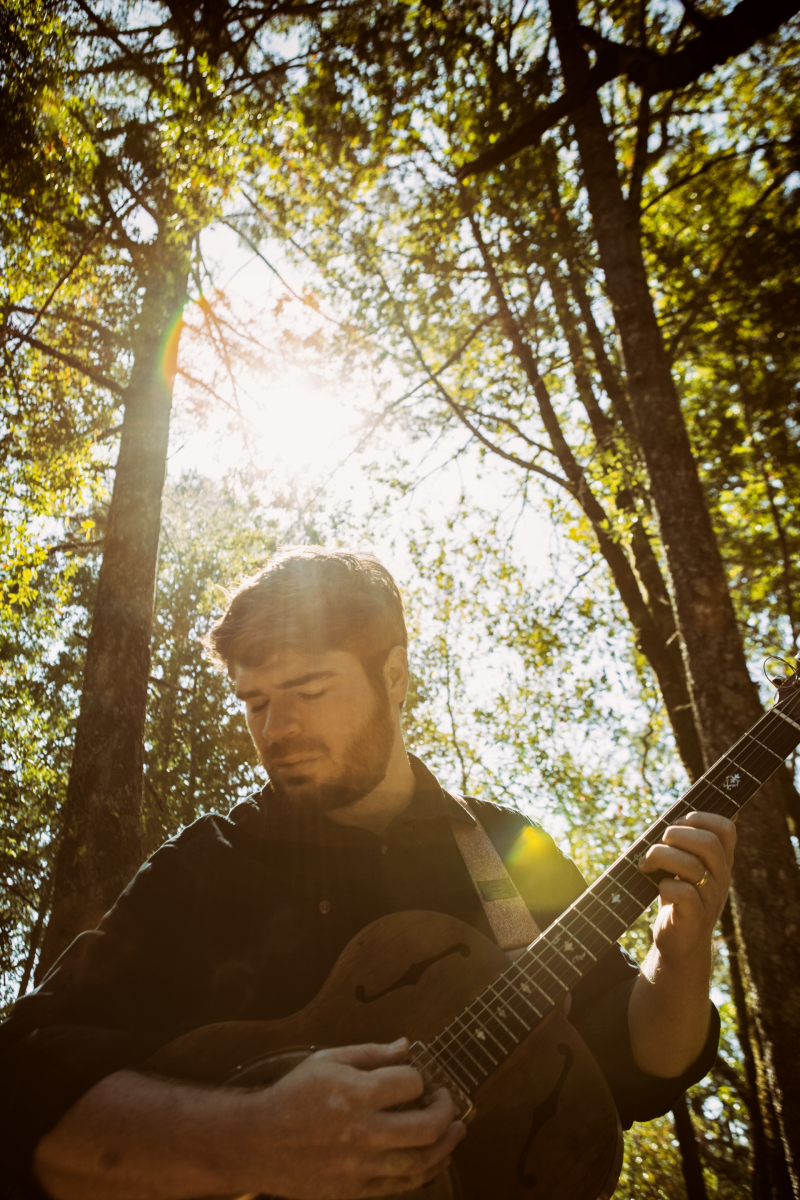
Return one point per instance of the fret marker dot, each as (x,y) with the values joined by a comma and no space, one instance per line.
(615,899)
(481,1035)
(324,907)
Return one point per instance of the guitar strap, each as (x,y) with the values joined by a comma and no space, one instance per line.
(507,913)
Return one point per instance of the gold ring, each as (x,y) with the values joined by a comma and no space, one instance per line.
(703,881)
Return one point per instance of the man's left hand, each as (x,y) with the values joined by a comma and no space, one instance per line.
(701,843)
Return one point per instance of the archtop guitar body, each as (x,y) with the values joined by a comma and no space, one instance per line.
(544,1124)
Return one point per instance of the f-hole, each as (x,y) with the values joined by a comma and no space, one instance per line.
(542,1114)
(413,974)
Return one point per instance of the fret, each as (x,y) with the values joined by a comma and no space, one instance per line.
(432,1069)
(524,991)
(779,736)
(784,717)
(647,889)
(749,775)
(461,1042)
(541,963)
(626,890)
(454,1071)
(509,994)
(615,912)
(768,749)
(564,958)
(619,880)
(507,1008)
(609,912)
(755,755)
(484,1027)
(571,937)
(527,963)
(589,921)
(478,1036)
(719,791)
(497,1015)
(497,1011)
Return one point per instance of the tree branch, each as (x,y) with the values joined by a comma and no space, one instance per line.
(720,39)
(69,360)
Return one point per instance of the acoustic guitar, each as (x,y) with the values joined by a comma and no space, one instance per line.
(542,1123)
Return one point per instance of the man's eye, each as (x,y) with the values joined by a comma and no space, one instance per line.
(256,708)
(311,695)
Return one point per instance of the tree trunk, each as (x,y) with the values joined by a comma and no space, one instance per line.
(36,934)
(101,836)
(766,892)
(768,1172)
(690,1155)
(652,638)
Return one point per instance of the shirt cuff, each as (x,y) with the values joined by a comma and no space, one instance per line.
(638,1096)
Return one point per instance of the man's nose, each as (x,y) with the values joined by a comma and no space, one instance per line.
(280,721)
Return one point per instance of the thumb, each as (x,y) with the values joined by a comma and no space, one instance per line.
(369,1056)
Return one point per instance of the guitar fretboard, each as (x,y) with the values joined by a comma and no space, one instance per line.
(478,1040)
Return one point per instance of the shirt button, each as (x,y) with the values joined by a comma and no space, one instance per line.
(384,848)
(324,907)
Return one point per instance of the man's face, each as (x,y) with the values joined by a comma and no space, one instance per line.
(321,730)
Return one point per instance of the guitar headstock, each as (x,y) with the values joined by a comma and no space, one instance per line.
(787,685)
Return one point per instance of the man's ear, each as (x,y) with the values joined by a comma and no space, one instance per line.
(395,674)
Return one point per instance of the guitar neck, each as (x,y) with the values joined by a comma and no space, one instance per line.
(476,1042)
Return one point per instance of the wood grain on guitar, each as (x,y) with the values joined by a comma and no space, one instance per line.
(543,1125)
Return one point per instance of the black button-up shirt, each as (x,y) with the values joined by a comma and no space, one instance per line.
(242,918)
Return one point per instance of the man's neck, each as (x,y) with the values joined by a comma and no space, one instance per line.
(378,808)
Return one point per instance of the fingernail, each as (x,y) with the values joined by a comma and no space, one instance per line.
(398,1044)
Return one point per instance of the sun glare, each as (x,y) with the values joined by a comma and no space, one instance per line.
(265,409)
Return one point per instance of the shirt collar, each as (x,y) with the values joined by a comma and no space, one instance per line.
(430,799)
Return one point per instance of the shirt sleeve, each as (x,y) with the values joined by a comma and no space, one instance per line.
(111,999)
(549,882)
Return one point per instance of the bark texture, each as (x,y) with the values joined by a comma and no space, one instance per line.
(101,835)
(766,891)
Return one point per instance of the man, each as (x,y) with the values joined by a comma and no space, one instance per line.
(243,917)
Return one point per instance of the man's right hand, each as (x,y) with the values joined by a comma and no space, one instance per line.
(322,1132)
(330,1136)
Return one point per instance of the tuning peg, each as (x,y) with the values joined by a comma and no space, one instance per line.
(778,681)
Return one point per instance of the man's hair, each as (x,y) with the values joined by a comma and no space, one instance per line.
(311,600)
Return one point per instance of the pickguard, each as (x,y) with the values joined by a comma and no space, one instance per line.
(413,974)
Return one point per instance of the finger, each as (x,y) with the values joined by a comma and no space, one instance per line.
(677,862)
(419,1127)
(701,843)
(391,1185)
(386,1087)
(724,829)
(417,1160)
(681,894)
(368,1056)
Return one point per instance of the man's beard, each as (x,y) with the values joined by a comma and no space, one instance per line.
(364,763)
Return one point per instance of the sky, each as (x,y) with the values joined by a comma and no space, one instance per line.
(302,426)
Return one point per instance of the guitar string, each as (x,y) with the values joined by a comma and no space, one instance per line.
(507,991)
(476,1026)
